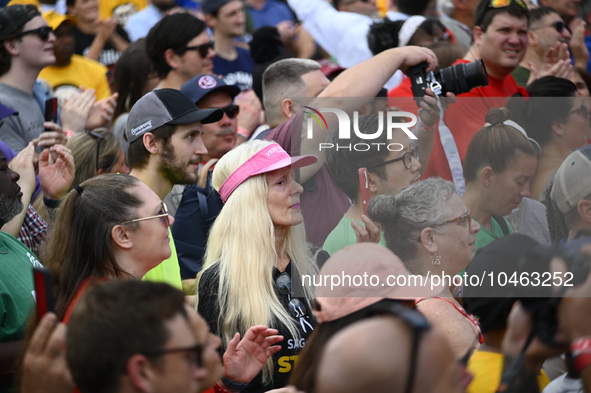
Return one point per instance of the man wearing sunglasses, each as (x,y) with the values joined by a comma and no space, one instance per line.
(201,203)
(226,19)
(547,30)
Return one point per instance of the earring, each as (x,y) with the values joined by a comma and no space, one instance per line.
(436,259)
(486,185)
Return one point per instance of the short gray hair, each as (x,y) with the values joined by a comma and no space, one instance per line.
(403,216)
(446,6)
(282,80)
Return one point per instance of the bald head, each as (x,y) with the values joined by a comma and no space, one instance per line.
(375,355)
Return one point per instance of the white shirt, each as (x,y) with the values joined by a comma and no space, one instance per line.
(140,23)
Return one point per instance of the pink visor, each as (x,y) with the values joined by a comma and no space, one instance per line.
(271,158)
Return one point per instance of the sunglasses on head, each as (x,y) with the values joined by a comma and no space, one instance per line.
(203,49)
(42,32)
(506,3)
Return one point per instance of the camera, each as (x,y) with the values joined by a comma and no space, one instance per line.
(456,79)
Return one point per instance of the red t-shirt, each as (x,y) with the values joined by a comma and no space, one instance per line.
(463,118)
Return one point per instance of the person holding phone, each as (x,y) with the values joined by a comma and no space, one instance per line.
(388,169)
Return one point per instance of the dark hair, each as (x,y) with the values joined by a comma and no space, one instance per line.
(137,154)
(412,7)
(304,375)
(343,164)
(585,76)
(537,14)
(383,34)
(130,76)
(80,243)
(266,48)
(5,57)
(492,312)
(495,145)
(543,108)
(172,32)
(484,14)
(112,322)
(557,224)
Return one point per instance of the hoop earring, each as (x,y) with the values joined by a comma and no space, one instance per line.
(436,259)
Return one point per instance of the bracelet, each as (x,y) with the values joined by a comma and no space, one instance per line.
(233,385)
(424,127)
(51,203)
(244,132)
(581,353)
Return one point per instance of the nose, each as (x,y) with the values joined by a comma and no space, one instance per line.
(170,220)
(52,37)
(226,120)
(526,192)
(416,165)
(200,148)
(210,54)
(14,175)
(474,227)
(296,188)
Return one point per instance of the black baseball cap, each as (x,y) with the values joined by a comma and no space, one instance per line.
(165,106)
(14,17)
(204,84)
(211,6)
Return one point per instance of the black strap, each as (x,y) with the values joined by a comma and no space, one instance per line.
(502,223)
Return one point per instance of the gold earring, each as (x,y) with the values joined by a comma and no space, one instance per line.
(435,259)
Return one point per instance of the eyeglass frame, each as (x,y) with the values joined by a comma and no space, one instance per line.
(196,349)
(202,49)
(414,153)
(555,26)
(582,110)
(165,214)
(38,32)
(459,220)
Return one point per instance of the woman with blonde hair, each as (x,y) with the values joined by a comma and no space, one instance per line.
(255,249)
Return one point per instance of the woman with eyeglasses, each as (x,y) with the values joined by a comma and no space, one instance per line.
(556,117)
(110,226)
(428,226)
(95,153)
(499,165)
(255,250)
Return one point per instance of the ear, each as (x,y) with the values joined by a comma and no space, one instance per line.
(486,176)
(286,107)
(584,209)
(557,129)
(150,143)
(428,240)
(532,38)
(373,180)
(11,47)
(120,236)
(171,58)
(101,171)
(140,373)
(210,21)
(478,35)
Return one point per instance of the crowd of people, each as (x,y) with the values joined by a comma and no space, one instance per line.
(204,184)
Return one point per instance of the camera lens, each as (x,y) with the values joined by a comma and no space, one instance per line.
(461,78)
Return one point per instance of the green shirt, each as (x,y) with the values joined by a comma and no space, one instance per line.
(169,270)
(521,76)
(17,291)
(343,235)
(485,237)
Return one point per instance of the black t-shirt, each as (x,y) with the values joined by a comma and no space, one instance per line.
(285,360)
(109,54)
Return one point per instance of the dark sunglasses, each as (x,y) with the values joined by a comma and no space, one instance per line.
(203,49)
(195,353)
(42,32)
(506,3)
(558,25)
(582,111)
(406,158)
(296,307)
(231,110)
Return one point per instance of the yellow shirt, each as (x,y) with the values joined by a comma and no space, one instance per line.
(121,9)
(487,369)
(80,72)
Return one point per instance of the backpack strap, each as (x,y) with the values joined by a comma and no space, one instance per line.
(502,223)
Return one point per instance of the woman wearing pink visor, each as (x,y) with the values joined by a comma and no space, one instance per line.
(256,248)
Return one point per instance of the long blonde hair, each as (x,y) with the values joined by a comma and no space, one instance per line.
(242,242)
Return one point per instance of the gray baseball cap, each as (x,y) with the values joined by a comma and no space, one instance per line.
(573,180)
(166,106)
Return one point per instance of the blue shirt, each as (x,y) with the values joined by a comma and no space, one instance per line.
(237,72)
(271,14)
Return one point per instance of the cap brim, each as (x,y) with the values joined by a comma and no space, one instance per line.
(205,116)
(294,162)
(232,90)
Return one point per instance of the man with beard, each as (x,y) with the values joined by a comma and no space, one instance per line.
(140,23)
(16,283)
(201,203)
(164,130)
